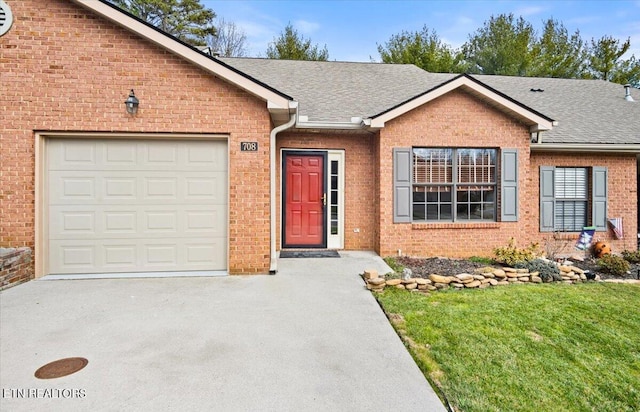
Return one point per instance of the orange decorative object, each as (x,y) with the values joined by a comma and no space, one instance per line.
(600,249)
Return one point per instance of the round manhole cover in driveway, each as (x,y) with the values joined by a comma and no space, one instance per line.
(60,368)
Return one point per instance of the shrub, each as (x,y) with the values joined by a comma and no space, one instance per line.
(631,256)
(548,271)
(511,254)
(614,265)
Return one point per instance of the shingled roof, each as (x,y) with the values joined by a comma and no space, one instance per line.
(586,111)
(337,91)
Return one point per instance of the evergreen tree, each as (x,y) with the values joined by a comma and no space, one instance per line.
(290,45)
(422,48)
(606,63)
(558,54)
(188,20)
(504,45)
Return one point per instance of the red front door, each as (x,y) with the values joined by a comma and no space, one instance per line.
(304,200)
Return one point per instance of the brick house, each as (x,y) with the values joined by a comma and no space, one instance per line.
(228,161)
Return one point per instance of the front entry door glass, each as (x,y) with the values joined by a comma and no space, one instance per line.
(305,200)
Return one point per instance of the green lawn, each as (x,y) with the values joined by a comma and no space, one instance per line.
(526,347)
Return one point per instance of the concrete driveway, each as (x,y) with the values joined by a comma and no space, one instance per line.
(310,338)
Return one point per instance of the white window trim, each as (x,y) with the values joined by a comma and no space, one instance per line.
(336,241)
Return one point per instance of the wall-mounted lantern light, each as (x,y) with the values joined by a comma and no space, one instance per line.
(132,103)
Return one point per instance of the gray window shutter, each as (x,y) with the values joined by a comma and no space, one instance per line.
(402,185)
(599,198)
(509,185)
(547,198)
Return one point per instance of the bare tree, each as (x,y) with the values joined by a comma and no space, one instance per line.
(230,41)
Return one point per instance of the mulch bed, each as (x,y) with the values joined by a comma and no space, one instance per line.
(423,267)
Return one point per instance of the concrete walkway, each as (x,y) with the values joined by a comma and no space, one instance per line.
(310,338)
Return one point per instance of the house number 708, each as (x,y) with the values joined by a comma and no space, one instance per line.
(248,146)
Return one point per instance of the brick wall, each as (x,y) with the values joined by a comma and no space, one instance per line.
(360,168)
(65,69)
(459,120)
(622,197)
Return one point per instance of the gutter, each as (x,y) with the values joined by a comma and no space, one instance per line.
(599,148)
(273,266)
(330,125)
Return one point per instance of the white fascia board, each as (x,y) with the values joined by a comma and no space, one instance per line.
(291,106)
(540,123)
(586,148)
(185,52)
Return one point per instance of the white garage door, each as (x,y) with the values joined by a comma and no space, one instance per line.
(136,205)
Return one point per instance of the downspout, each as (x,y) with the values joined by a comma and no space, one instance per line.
(273,266)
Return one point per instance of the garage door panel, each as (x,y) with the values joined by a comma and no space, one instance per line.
(120,222)
(121,215)
(162,154)
(119,188)
(113,222)
(160,221)
(160,187)
(120,256)
(65,188)
(137,155)
(205,220)
(188,254)
(204,252)
(72,256)
(71,157)
(200,253)
(211,222)
(119,154)
(213,157)
(139,256)
(87,221)
(161,255)
(73,223)
(210,188)
(200,188)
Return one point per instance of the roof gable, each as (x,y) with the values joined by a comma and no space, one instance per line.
(535,120)
(277,102)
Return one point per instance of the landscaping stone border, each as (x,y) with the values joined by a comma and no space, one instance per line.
(481,278)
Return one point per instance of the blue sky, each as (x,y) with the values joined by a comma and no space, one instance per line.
(351,29)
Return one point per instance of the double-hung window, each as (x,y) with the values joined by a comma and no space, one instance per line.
(441,184)
(572,198)
(453,184)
